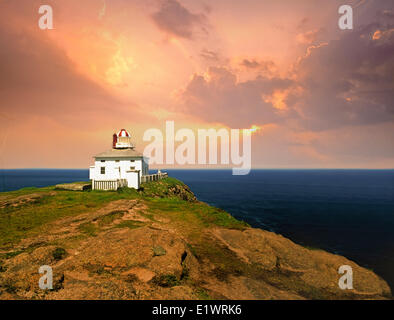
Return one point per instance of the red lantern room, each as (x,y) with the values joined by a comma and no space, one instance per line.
(122,140)
(123,133)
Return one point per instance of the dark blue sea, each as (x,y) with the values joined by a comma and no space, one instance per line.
(348,212)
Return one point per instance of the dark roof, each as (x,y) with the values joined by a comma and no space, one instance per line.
(120,153)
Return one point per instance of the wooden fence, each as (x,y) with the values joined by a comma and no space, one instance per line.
(108,184)
(154,177)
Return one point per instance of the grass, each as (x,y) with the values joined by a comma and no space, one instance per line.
(198,214)
(89,228)
(12,254)
(312,248)
(190,218)
(110,217)
(166,280)
(202,294)
(95,268)
(159,188)
(2,267)
(33,218)
(30,219)
(130,224)
(9,286)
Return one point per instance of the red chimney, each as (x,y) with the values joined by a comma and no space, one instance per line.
(114,140)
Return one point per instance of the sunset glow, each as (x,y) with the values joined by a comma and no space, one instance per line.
(313,95)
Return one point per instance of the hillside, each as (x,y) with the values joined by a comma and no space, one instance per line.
(157,243)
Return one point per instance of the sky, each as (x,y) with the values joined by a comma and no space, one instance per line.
(319,96)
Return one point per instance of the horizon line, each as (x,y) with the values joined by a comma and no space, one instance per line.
(257,168)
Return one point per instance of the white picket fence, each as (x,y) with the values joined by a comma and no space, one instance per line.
(108,184)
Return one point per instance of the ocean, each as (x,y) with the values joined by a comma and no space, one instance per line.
(347,212)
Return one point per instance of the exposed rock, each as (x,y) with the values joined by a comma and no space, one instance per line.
(157,249)
(142,274)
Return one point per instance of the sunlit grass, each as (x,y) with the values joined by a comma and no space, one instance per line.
(32,218)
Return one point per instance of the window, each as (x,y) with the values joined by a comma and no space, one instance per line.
(102,160)
(102,170)
(116,160)
(132,161)
(132,168)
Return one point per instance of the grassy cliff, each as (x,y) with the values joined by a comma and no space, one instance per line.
(156,243)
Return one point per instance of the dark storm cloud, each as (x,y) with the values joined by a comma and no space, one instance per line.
(349,81)
(345,82)
(174,19)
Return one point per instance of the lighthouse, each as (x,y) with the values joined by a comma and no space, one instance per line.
(121,166)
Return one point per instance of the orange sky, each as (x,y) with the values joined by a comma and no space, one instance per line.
(322,96)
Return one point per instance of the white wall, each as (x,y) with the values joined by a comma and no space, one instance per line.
(133,179)
(115,170)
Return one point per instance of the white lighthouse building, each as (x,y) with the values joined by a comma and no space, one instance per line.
(121,166)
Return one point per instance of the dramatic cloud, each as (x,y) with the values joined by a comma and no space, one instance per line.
(349,81)
(55,110)
(344,82)
(323,97)
(219,97)
(175,19)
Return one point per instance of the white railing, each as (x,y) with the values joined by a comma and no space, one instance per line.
(154,177)
(108,184)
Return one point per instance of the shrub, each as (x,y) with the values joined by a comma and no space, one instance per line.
(166,280)
(58,254)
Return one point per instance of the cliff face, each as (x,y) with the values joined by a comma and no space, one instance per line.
(159,243)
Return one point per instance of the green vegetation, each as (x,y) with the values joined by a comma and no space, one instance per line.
(159,251)
(89,228)
(160,188)
(67,223)
(2,267)
(202,294)
(197,214)
(59,254)
(9,255)
(95,268)
(9,285)
(166,280)
(30,218)
(110,217)
(29,211)
(130,224)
